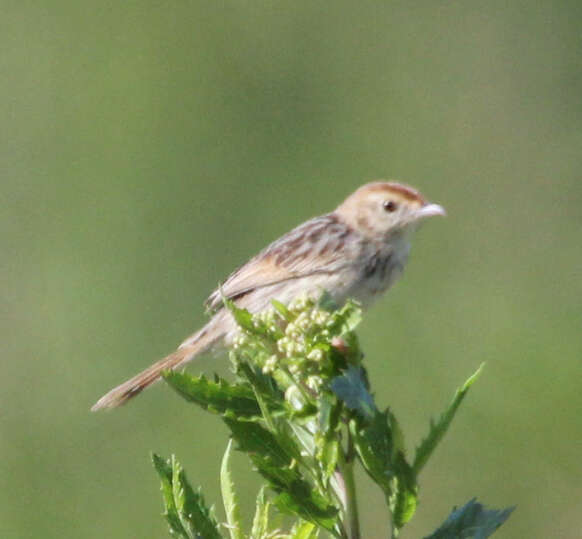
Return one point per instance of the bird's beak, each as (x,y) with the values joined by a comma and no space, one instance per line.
(429,210)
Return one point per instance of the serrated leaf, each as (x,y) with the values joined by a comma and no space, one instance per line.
(438,429)
(265,385)
(350,388)
(345,320)
(243,318)
(266,393)
(193,512)
(472,521)
(255,439)
(351,316)
(279,478)
(164,470)
(261,519)
(378,445)
(186,512)
(373,444)
(278,446)
(219,397)
(404,497)
(301,500)
(296,495)
(229,496)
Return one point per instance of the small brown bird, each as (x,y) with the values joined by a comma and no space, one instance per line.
(356,252)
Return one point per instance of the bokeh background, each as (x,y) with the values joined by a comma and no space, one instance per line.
(147,148)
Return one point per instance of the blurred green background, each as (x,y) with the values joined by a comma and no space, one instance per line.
(147,148)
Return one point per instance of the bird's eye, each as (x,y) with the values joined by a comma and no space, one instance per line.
(389,205)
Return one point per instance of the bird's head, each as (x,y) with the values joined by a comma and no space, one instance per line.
(380,210)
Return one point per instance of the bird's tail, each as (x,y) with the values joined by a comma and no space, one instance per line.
(190,348)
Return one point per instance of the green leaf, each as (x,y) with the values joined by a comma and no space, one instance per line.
(397,435)
(164,469)
(327,303)
(229,496)
(267,394)
(438,429)
(281,309)
(329,414)
(194,514)
(255,439)
(373,443)
(351,389)
(304,436)
(329,455)
(220,397)
(272,460)
(301,500)
(404,497)
(261,520)
(243,318)
(472,521)
(279,478)
(345,320)
(326,436)
(379,446)
(186,512)
(296,496)
(304,530)
(263,383)
(351,317)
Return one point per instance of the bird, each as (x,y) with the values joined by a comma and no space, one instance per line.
(357,251)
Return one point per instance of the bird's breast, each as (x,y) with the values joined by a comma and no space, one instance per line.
(381,269)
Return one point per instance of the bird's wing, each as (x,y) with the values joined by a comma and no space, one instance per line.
(317,246)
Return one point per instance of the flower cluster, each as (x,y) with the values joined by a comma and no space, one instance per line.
(293,341)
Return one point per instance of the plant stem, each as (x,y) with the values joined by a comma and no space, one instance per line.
(346,472)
